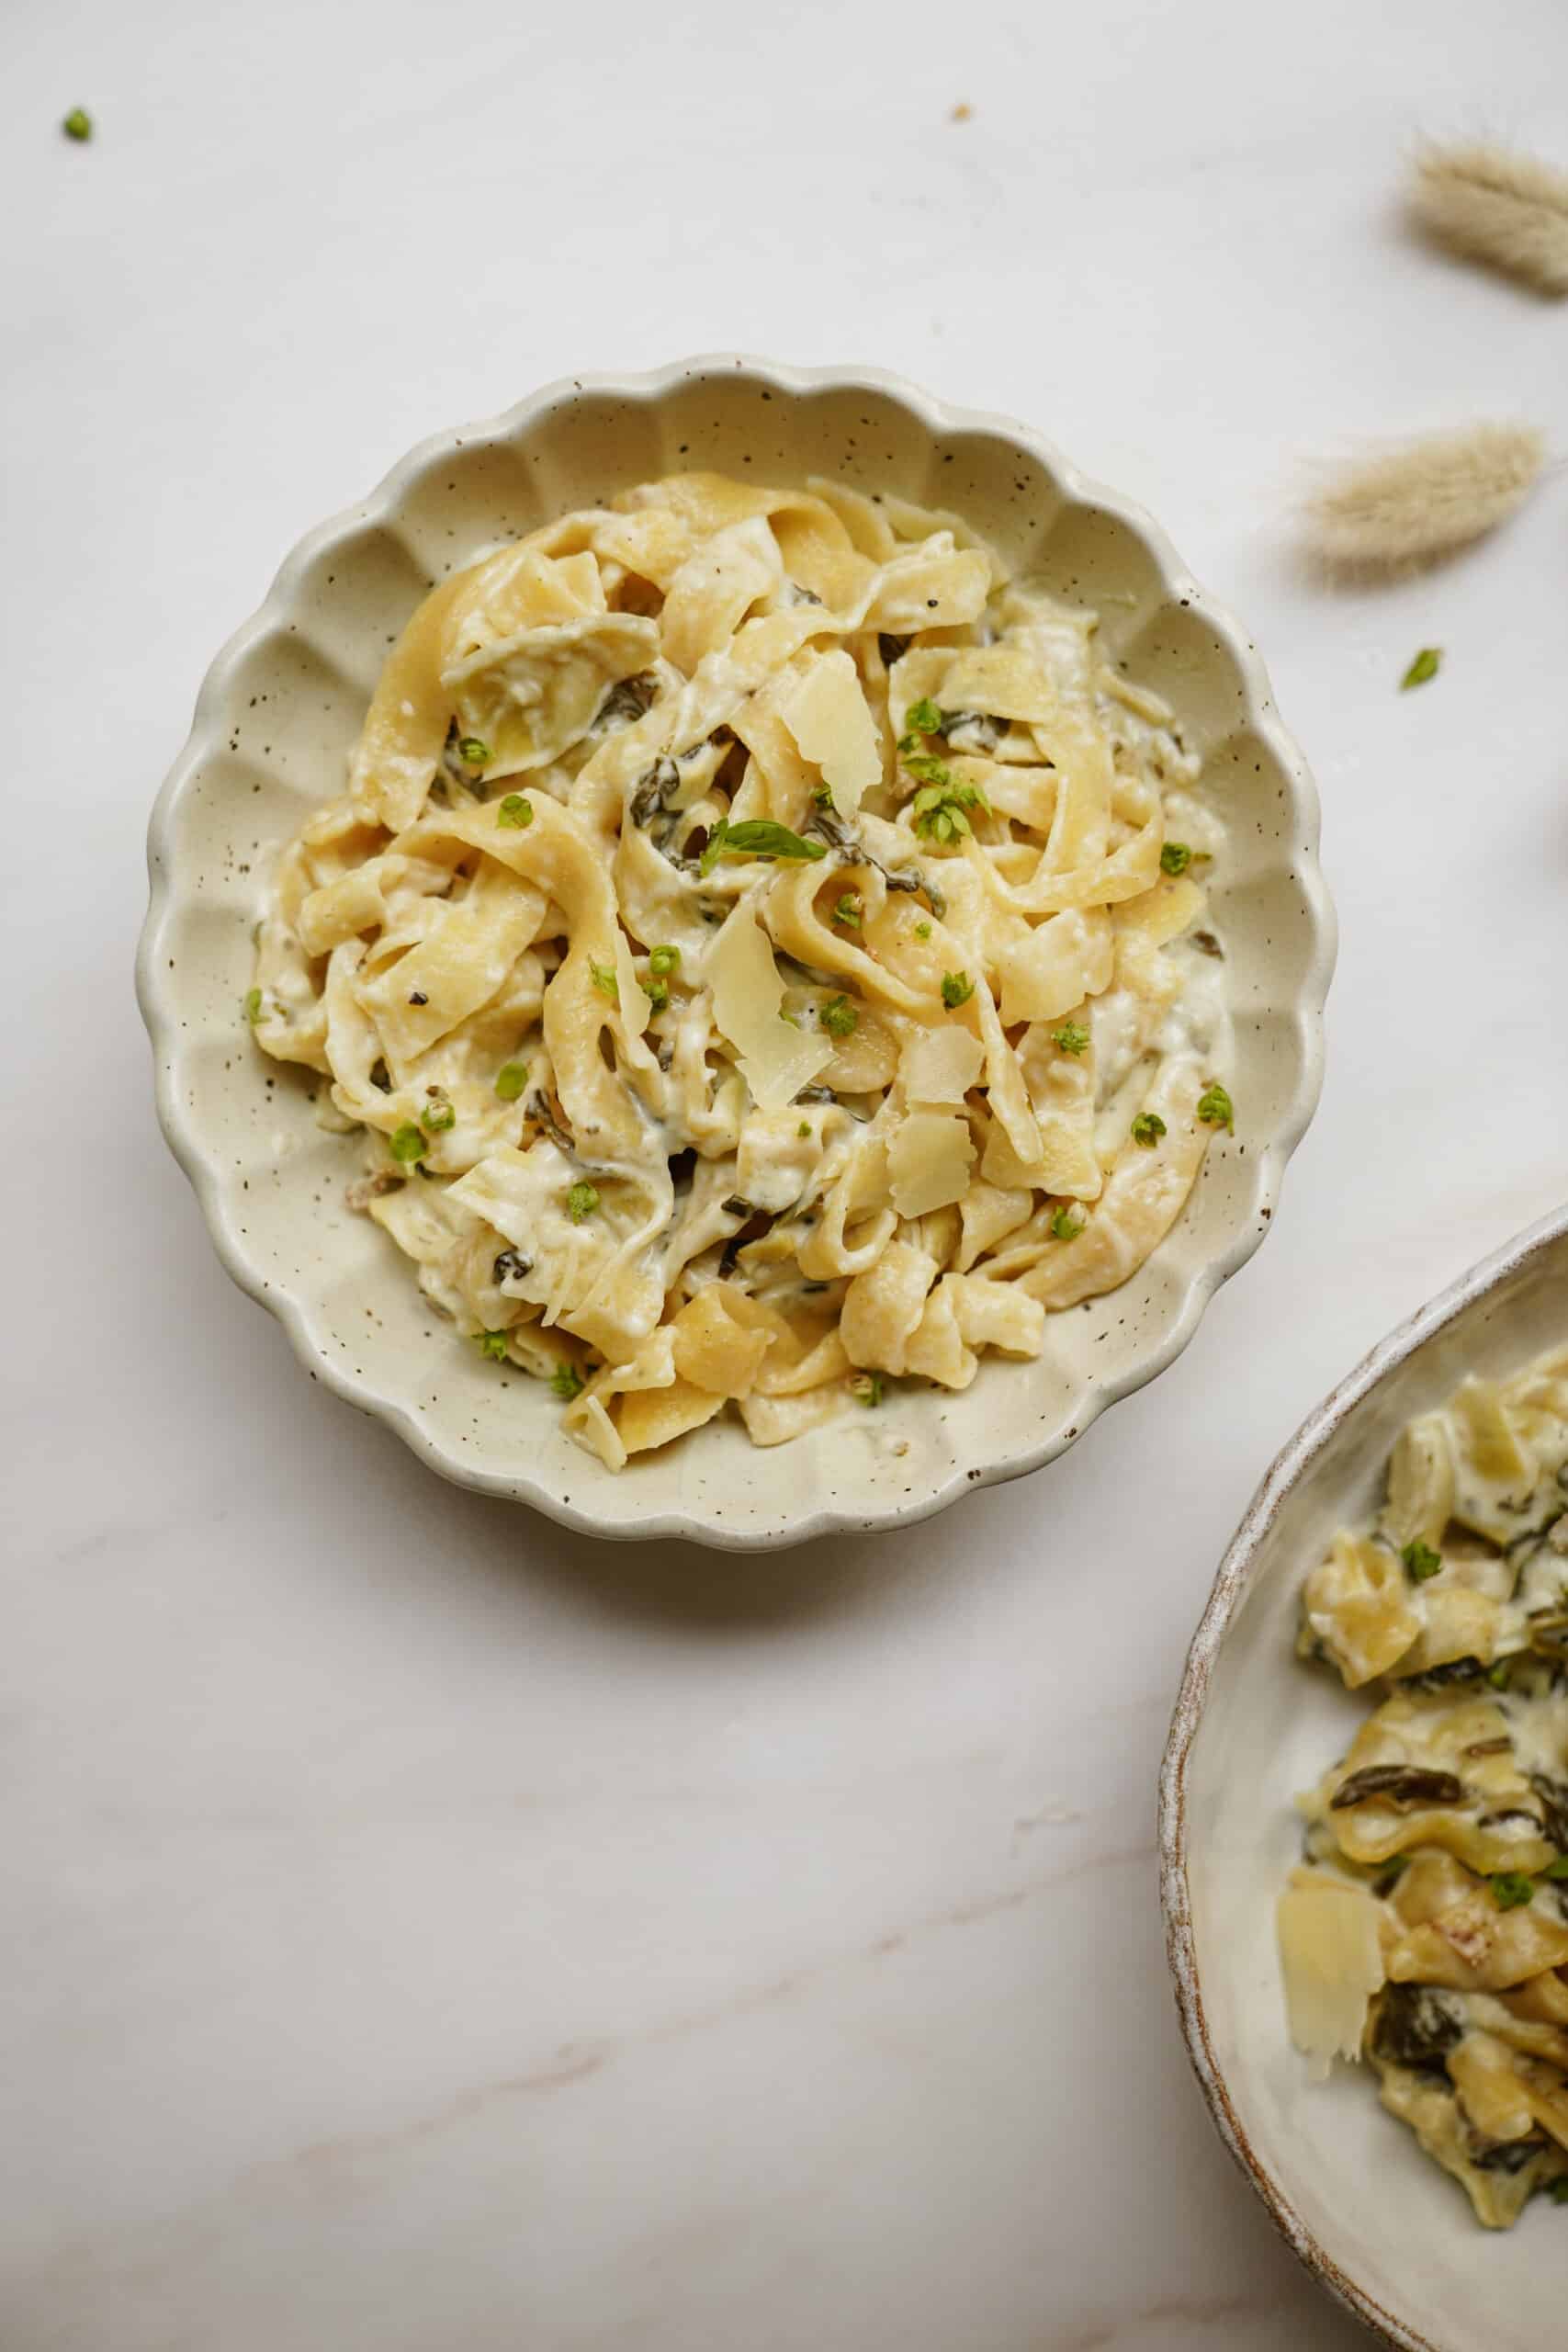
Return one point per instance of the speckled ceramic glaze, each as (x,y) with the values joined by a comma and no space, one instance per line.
(1371,2216)
(278,714)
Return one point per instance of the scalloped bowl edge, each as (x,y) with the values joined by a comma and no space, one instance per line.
(612,1512)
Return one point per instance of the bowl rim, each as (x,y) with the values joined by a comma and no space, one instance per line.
(1230,1584)
(380,506)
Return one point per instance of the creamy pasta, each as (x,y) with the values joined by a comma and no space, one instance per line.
(1427,1928)
(763,945)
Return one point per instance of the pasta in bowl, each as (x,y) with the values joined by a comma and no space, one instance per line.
(758,916)
(1393,1599)
(764,945)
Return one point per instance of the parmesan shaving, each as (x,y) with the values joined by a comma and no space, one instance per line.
(776,1059)
(929,1161)
(940,1065)
(1332,1956)
(828,717)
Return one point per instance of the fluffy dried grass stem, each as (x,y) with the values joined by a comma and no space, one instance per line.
(1402,507)
(1490,205)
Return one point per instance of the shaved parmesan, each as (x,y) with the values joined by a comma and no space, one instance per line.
(929,1161)
(828,716)
(1332,1958)
(776,1059)
(940,1065)
(1050,970)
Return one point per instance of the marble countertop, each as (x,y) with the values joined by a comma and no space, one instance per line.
(426,1932)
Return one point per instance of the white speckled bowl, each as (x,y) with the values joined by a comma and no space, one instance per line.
(1369,2214)
(277,713)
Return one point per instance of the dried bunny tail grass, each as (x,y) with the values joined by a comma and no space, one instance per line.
(1491,205)
(1409,506)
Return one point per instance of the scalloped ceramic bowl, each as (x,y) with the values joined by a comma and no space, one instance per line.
(277,716)
(1372,2217)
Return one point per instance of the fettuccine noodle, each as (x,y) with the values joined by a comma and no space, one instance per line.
(753,945)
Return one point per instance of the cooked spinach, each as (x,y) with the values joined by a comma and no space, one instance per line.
(653,790)
(1416,2026)
(1506,2155)
(831,828)
(1554,1795)
(626,702)
(540,1111)
(1398,1784)
(1443,1678)
(974,731)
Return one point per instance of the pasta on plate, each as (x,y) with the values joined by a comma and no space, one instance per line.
(1428,1926)
(754,945)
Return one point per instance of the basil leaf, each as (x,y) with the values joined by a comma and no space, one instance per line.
(760,837)
(756,837)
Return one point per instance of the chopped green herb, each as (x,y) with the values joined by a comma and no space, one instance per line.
(756,837)
(957,988)
(1557,1870)
(924,718)
(1498,1675)
(1072,1037)
(1511,1890)
(941,807)
(438,1115)
(658,993)
(78,124)
(603,978)
(1174,858)
(510,1081)
(1420,1561)
(515,811)
(1147,1129)
(494,1344)
(407,1144)
(1426,665)
(253,1006)
(1065,1224)
(581,1201)
(926,768)
(922,930)
(803,1129)
(566,1382)
(865,1387)
(849,910)
(1558,2189)
(473,752)
(823,796)
(837,1016)
(662,961)
(1216,1109)
(1393,1871)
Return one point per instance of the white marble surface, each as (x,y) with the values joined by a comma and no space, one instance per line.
(426,1931)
